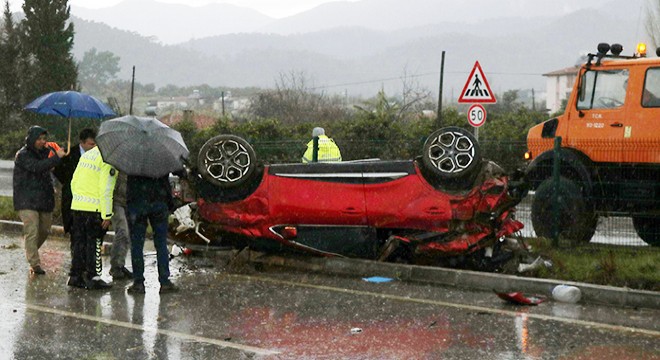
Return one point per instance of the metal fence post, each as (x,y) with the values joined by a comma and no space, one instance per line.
(555,196)
(315,149)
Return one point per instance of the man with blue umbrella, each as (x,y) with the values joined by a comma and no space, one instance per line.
(34,198)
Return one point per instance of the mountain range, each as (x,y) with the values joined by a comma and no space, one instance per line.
(357,47)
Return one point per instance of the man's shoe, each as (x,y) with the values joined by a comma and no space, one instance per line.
(37,270)
(96,283)
(168,287)
(136,288)
(76,281)
(121,273)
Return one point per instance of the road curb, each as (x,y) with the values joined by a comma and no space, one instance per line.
(55,230)
(594,294)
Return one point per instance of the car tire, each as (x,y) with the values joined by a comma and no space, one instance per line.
(648,228)
(451,158)
(577,219)
(227,161)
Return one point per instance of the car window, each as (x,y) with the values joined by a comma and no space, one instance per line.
(603,89)
(651,94)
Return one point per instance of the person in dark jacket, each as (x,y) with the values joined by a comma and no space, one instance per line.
(65,169)
(149,200)
(34,198)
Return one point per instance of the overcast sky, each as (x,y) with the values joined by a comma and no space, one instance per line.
(273,8)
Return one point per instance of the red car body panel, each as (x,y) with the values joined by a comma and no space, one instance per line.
(405,202)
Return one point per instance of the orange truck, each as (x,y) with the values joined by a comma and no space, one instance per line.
(610,149)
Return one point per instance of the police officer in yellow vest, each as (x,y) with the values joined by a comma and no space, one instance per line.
(328,150)
(92,186)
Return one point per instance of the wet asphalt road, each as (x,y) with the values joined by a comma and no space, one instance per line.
(232,311)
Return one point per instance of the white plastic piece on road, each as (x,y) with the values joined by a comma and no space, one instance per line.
(183,215)
(176,250)
(566,293)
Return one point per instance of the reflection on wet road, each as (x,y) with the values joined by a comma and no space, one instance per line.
(235,312)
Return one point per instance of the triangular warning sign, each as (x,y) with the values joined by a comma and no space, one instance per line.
(476,89)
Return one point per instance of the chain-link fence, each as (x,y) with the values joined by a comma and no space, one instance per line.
(616,229)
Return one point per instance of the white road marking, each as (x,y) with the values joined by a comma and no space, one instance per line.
(139,327)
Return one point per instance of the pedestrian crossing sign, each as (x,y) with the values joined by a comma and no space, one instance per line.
(476,89)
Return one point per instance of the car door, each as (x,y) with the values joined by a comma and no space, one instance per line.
(317,194)
(601,114)
(398,197)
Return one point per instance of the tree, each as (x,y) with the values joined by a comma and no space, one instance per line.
(293,101)
(96,69)
(10,97)
(48,39)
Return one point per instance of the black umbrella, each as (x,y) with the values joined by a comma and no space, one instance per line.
(141,146)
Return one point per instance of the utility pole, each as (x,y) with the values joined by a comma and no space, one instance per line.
(442,70)
(130,111)
(222,96)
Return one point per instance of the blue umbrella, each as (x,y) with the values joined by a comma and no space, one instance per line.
(70,104)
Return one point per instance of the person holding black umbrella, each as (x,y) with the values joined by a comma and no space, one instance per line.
(149,200)
(34,197)
(148,151)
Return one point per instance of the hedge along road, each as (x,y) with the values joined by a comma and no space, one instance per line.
(611,230)
(229,310)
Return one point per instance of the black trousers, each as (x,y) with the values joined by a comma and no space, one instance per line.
(86,240)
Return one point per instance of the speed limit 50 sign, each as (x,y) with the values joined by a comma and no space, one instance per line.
(476,115)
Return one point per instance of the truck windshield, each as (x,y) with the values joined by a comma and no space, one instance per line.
(605,89)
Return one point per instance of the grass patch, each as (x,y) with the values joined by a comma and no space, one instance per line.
(621,266)
(7,209)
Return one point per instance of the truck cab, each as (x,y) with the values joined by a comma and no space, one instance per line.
(610,149)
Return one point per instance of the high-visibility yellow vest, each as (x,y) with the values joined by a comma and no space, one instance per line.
(328,150)
(93,184)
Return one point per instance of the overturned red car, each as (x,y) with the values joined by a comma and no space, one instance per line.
(449,206)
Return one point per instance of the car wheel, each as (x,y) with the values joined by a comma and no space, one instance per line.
(648,228)
(577,220)
(226,161)
(452,153)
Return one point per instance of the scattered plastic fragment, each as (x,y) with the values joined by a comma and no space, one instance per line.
(179,250)
(377,279)
(520,298)
(536,264)
(356,330)
(566,293)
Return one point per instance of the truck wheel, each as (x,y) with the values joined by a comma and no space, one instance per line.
(648,228)
(452,154)
(226,161)
(577,220)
